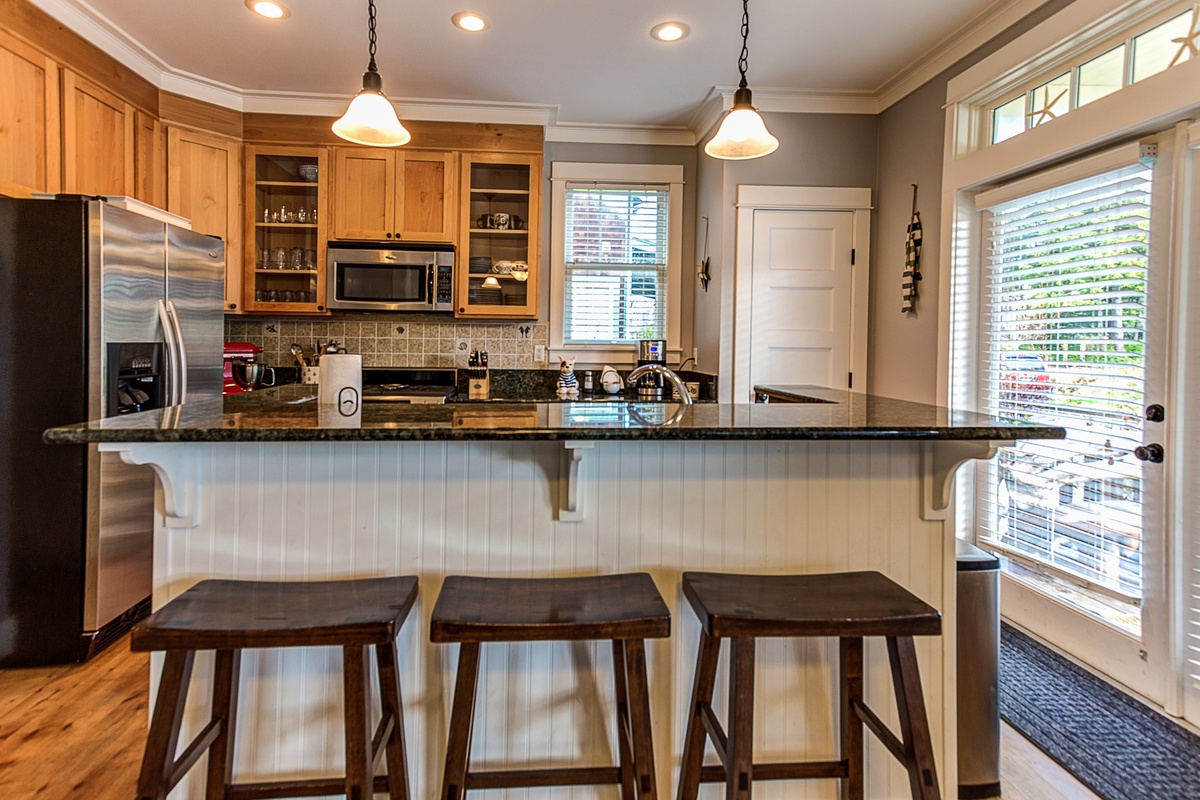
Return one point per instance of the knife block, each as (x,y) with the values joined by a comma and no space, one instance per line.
(479,384)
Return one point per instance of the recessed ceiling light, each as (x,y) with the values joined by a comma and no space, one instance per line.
(669,31)
(469,21)
(269,9)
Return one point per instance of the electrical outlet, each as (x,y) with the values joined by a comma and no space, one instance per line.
(539,353)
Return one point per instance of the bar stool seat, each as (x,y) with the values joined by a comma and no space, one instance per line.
(229,616)
(848,606)
(625,609)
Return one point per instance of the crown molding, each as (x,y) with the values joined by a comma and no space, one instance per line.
(975,33)
(85,20)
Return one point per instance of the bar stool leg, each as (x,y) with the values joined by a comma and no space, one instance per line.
(695,735)
(163,738)
(226,677)
(625,758)
(740,770)
(356,678)
(639,718)
(393,708)
(850,670)
(462,717)
(914,726)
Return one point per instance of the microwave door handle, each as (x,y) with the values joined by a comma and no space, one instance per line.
(429,272)
(169,348)
(181,350)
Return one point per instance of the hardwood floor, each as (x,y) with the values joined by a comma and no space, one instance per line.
(78,732)
(75,731)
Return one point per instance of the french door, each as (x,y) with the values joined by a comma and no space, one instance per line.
(1074,311)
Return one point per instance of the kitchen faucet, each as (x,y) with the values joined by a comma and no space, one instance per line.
(676,381)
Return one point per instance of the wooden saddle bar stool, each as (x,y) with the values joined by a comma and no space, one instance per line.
(228,616)
(850,605)
(625,609)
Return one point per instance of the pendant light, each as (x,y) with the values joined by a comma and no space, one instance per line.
(742,133)
(371,119)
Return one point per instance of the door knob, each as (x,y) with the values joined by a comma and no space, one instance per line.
(1155,413)
(1149,452)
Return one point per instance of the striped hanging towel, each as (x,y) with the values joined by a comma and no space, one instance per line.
(912,265)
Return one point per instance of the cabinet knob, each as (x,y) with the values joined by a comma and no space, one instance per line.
(233,305)
(320,308)
(388,235)
(462,311)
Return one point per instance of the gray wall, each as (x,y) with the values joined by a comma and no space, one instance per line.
(902,355)
(814,150)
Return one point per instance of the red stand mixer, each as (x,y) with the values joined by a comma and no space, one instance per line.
(240,351)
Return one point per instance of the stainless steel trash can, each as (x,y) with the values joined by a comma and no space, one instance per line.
(978,673)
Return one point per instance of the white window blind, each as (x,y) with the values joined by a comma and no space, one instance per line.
(615,264)
(1063,335)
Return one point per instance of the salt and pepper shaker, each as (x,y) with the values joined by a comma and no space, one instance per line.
(587,382)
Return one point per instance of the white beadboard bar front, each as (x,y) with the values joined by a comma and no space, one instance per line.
(318,510)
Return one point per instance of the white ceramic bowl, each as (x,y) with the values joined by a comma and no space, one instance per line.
(308,173)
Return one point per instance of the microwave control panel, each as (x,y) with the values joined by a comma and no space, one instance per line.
(444,291)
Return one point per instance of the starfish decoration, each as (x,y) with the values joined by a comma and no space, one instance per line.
(1187,44)
(1044,114)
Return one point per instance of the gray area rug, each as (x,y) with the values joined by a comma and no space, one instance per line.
(1109,741)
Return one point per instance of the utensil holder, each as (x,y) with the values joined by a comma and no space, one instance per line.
(310,375)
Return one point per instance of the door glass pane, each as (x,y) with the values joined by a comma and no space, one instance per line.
(1064,345)
(1008,120)
(1101,76)
(1164,46)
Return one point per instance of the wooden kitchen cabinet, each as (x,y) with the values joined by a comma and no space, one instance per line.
(287,209)
(204,184)
(407,195)
(499,267)
(150,160)
(29,119)
(97,139)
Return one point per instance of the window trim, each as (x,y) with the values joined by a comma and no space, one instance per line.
(669,175)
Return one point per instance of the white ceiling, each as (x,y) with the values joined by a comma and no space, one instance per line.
(587,63)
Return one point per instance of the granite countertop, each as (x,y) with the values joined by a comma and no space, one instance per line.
(290,413)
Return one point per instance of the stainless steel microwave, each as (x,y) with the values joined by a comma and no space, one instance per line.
(389,277)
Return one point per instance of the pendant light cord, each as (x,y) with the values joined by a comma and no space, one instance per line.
(371,34)
(744,58)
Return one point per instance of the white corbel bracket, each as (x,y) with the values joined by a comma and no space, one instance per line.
(939,461)
(574,468)
(176,471)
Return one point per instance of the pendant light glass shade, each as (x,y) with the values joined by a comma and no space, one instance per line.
(742,134)
(371,119)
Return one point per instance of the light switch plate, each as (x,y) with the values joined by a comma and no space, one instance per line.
(539,353)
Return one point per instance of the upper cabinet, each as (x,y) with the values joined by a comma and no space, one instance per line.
(499,268)
(286,204)
(204,184)
(407,195)
(149,160)
(29,119)
(97,139)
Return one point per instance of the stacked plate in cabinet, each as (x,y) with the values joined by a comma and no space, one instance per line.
(480,264)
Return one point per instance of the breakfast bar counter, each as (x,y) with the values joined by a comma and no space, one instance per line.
(270,486)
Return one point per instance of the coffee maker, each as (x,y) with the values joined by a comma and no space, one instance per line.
(651,351)
(241,351)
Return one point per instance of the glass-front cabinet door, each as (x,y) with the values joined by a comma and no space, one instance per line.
(287,205)
(499,269)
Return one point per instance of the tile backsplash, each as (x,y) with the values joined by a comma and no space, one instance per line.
(397,342)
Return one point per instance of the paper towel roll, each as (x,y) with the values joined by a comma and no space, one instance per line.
(341,384)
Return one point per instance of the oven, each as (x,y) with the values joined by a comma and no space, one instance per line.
(372,276)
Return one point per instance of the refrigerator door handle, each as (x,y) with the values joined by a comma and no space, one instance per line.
(171,366)
(181,351)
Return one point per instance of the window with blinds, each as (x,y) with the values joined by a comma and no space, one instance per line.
(615,264)
(1063,334)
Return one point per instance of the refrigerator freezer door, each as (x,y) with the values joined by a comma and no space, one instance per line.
(120,558)
(196,296)
(127,279)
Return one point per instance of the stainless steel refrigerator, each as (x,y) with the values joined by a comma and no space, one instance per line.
(102,312)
